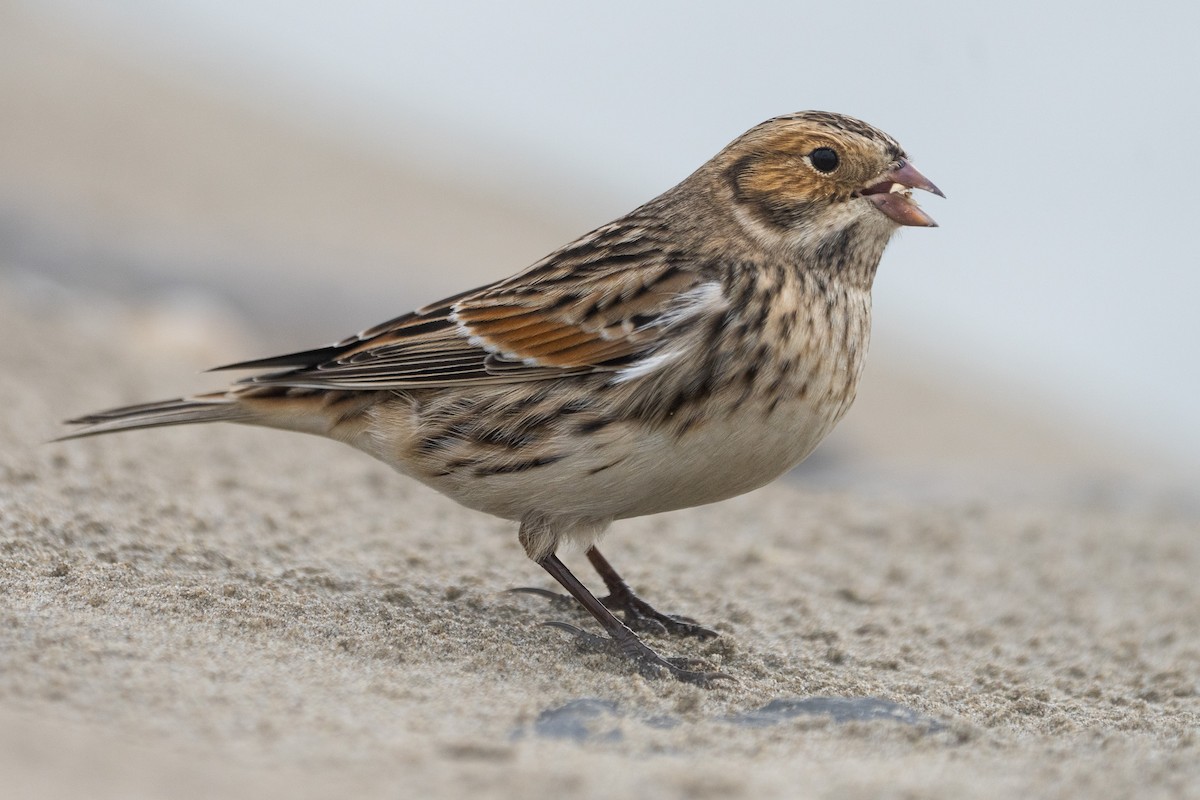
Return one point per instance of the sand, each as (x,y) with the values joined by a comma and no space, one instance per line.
(956,598)
(223,610)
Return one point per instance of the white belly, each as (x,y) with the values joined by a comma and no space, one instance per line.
(629,470)
(729,457)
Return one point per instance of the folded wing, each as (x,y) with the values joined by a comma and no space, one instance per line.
(603,303)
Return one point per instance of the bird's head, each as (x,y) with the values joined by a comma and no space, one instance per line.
(821,183)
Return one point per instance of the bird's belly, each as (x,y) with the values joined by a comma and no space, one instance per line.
(631,468)
(728,457)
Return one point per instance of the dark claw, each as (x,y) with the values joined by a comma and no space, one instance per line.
(588,641)
(650,664)
(653,666)
(641,616)
(682,669)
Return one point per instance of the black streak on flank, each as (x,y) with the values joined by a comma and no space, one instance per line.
(593,425)
(606,466)
(447,438)
(506,437)
(691,421)
(516,466)
(575,406)
(526,403)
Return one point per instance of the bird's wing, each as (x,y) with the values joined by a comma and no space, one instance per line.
(602,303)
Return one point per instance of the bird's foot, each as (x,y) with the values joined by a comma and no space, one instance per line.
(639,615)
(650,664)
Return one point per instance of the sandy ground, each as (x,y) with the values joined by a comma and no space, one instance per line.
(954,599)
(237,611)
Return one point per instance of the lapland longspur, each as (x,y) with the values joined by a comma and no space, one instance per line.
(690,351)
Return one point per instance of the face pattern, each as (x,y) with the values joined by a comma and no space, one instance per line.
(806,179)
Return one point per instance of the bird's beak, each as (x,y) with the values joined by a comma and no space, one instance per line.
(892,196)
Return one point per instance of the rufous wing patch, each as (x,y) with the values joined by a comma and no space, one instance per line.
(536,337)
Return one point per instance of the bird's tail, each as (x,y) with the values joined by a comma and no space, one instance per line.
(216,407)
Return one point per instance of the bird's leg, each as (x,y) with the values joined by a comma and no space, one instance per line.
(650,663)
(640,615)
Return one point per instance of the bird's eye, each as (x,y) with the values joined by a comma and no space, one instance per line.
(823,159)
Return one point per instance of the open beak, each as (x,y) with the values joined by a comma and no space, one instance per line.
(893,197)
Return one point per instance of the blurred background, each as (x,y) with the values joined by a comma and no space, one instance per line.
(300,170)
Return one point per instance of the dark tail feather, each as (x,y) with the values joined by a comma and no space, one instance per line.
(183,411)
(304,358)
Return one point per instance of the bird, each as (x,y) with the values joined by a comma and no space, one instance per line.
(690,351)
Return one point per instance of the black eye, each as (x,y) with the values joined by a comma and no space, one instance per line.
(824,159)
